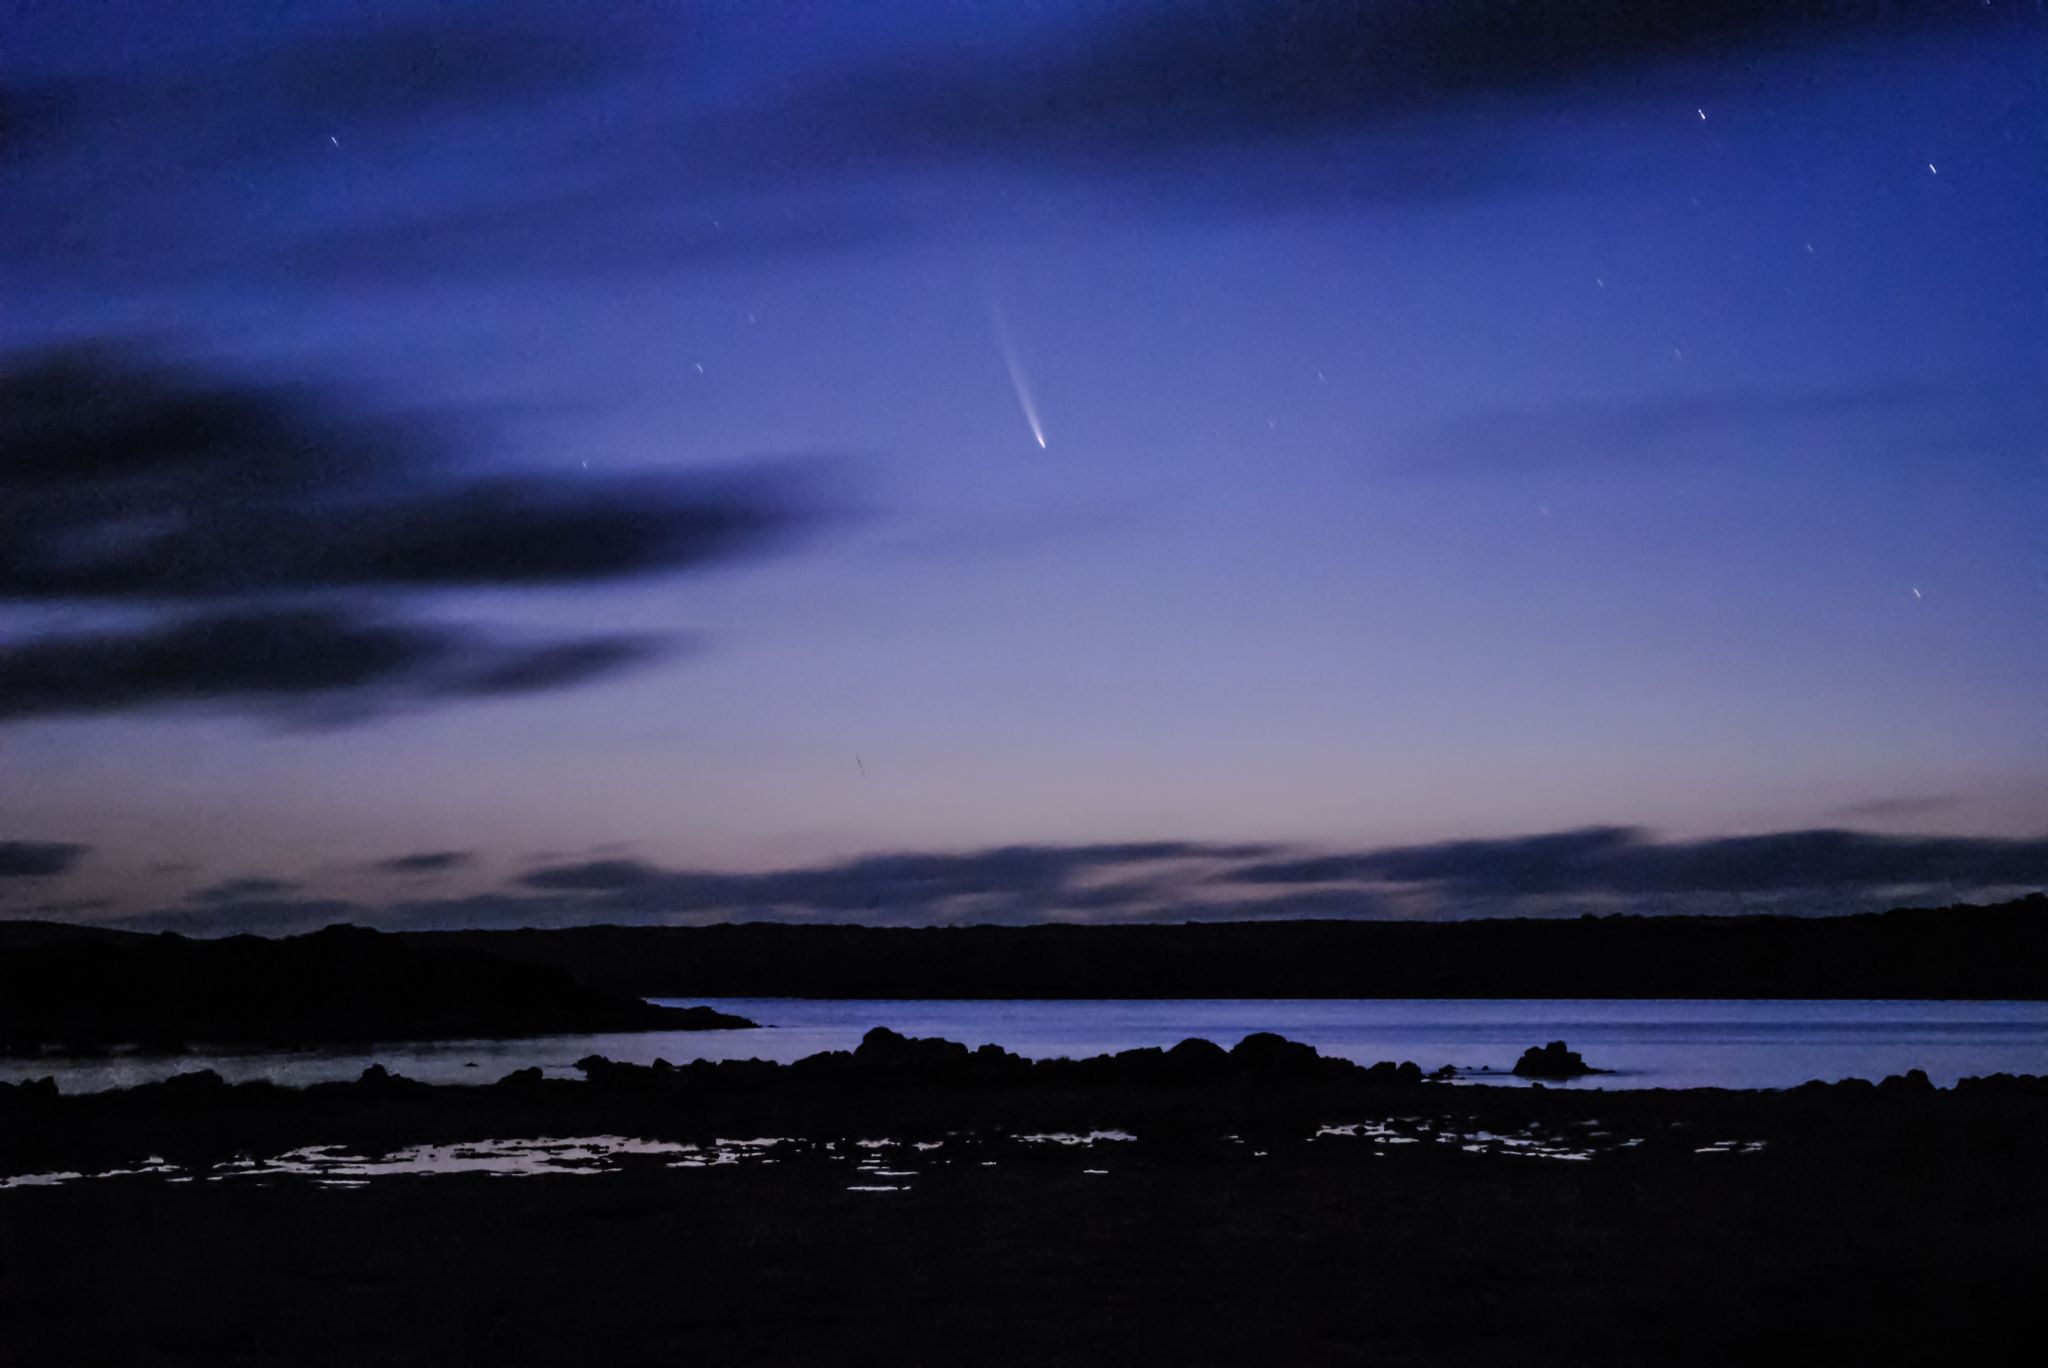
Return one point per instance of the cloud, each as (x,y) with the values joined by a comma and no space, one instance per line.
(324,664)
(370,79)
(521,139)
(1629,862)
(479,112)
(1890,808)
(276,531)
(69,907)
(594,876)
(33,117)
(39,859)
(614,226)
(1584,432)
(241,890)
(425,862)
(1597,869)
(122,479)
(1001,883)
(424,66)
(1171,82)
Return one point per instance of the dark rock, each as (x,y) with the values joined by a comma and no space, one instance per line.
(1195,1061)
(883,1048)
(1552,1061)
(2004,1083)
(1262,1052)
(198,1083)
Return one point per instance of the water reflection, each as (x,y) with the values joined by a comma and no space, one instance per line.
(870,1165)
(1733,1044)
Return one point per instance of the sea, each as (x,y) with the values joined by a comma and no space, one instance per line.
(1644,1043)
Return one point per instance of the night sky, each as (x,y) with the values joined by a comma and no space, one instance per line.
(480,464)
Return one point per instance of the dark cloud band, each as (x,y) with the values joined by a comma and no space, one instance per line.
(1555,873)
(128,482)
(38,859)
(326,664)
(1626,861)
(425,862)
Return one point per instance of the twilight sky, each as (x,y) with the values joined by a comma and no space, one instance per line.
(466,464)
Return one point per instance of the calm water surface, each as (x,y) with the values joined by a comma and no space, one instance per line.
(1652,1044)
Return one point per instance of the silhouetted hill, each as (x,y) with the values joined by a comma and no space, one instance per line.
(1952,952)
(32,935)
(77,987)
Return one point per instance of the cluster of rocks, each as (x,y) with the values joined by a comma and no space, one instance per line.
(886,1057)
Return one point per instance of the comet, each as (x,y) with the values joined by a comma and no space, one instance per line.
(1018,382)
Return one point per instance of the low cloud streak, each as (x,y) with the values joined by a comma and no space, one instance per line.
(39,859)
(1597,869)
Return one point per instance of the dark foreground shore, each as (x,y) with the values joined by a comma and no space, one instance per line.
(1305,1257)
(1261,1206)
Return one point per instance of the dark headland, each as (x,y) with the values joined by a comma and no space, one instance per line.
(83,988)
(1982,952)
(76,988)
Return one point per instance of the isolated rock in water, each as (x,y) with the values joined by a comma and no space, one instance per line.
(1551,1061)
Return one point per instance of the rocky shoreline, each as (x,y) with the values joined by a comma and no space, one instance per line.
(1196,1098)
(915,1202)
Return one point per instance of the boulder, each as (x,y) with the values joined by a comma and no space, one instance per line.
(1552,1061)
(1912,1081)
(882,1048)
(1263,1052)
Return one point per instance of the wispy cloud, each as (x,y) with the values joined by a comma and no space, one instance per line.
(243,890)
(322,666)
(1917,805)
(274,535)
(1599,869)
(1626,861)
(1159,85)
(1644,431)
(39,859)
(531,146)
(425,862)
(1004,882)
